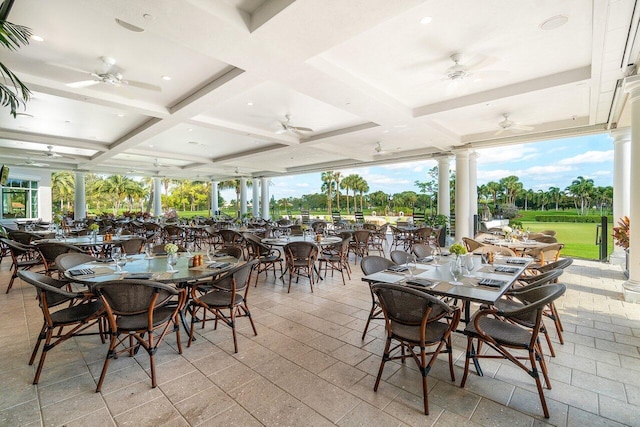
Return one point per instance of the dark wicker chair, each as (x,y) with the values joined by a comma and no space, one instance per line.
(228,292)
(415,320)
(21,258)
(267,257)
(49,251)
(301,261)
(132,246)
(503,334)
(335,257)
(471,244)
(139,316)
(422,235)
(401,239)
(230,238)
(70,260)
(234,251)
(370,265)
(83,314)
(399,257)
(360,244)
(421,250)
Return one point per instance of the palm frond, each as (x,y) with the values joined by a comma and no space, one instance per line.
(12,36)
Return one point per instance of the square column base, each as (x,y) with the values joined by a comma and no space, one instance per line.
(631,291)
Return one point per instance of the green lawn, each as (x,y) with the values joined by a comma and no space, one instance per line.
(579,239)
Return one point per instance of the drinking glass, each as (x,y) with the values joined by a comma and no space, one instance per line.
(411,265)
(210,252)
(148,250)
(436,254)
(189,248)
(116,254)
(470,265)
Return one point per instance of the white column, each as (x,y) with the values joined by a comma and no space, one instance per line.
(473,188)
(462,194)
(264,187)
(243,196)
(444,197)
(621,194)
(255,199)
(214,197)
(632,286)
(79,200)
(157,196)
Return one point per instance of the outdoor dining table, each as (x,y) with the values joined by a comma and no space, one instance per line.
(97,247)
(282,241)
(518,246)
(438,280)
(140,266)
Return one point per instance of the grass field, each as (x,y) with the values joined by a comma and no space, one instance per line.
(579,239)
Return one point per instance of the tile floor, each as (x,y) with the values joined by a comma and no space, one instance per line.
(308,366)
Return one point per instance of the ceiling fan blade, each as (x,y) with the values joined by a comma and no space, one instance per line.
(301,129)
(478,61)
(142,85)
(499,132)
(522,127)
(69,67)
(281,131)
(83,83)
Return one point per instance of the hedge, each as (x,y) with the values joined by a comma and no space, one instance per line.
(570,218)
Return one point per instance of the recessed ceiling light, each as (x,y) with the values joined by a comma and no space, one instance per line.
(150,145)
(250,104)
(426,20)
(167,78)
(189,130)
(554,22)
(194,143)
(67,121)
(128,26)
(120,115)
(37,38)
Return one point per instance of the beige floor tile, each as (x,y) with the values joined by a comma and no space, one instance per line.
(22,413)
(491,413)
(234,416)
(64,389)
(381,398)
(367,415)
(342,375)
(186,386)
(131,396)
(528,402)
(71,408)
(288,411)
(579,418)
(204,405)
(158,412)
(619,411)
(409,408)
(100,418)
(233,376)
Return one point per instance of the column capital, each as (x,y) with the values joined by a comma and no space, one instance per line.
(461,152)
(631,85)
(621,135)
(473,155)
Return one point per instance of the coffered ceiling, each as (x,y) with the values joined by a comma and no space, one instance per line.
(202,88)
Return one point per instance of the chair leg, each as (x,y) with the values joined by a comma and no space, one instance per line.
(107,360)
(466,361)
(549,343)
(42,335)
(43,355)
(247,313)
(233,330)
(423,371)
(385,357)
(13,278)
(536,376)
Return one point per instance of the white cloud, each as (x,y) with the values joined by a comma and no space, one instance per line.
(588,157)
(411,165)
(485,176)
(302,185)
(509,153)
(545,170)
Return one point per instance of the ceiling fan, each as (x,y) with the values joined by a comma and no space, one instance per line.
(52,154)
(30,162)
(378,148)
(286,126)
(111,75)
(157,164)
(510,125)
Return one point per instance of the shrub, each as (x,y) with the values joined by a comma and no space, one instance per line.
(509,211)
(569,218)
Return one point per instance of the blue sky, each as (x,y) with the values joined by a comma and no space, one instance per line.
(539,165)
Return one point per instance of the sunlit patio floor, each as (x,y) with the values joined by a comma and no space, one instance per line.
(309,366)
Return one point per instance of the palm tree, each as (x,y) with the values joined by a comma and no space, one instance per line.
(337,177)
(511,186)
(118,188)
(63,185)
(494,188)
(348,183)
(554,195)
(12,36)
(327,186)
(232,184)
(363,187)
(581,189)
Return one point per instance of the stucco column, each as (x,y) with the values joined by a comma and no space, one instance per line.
(157,196)
(621,167)
(255,199)
(264,187)
(462,195)
(473,188)
(243,196)
(444,197)
(214,197)
(80,197)
(632,286)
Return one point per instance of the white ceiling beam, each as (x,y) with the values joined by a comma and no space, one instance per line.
(51,140)
(240,129)
(546,82)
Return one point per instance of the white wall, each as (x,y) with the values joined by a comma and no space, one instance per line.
(43,176)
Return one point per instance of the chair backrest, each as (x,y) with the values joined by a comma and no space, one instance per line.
(23,237)
(560,263)
(399,257)
(319,226)
(544,239)
(418,217)
(547,277)
(236,279)
(550,253)
(359,216)
(173,230)
(535,299)
(128,297)
(296,230)
(423,234)
(234,251)
(70,260)
(421,250)
(304,215)
(406,306)
(500,250)
(49,251)
(133,245)
(336,216)
(296,251)
(373,264)
(50,291)
(471,244)
(361,236)
(548,232)
(230,237)
(16,248)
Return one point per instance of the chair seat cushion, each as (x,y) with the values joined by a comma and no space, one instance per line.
(138,322)
(76,313)
(221,299)
(435,332)
(503,332)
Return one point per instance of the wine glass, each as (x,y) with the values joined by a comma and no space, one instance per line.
(436,254)
(148,250)
(189,247)
(469,265)
(411,265)
(210,252)
(116,254)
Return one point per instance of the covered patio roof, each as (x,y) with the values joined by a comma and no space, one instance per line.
(217,90)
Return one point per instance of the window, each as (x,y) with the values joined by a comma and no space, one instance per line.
(20,199)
